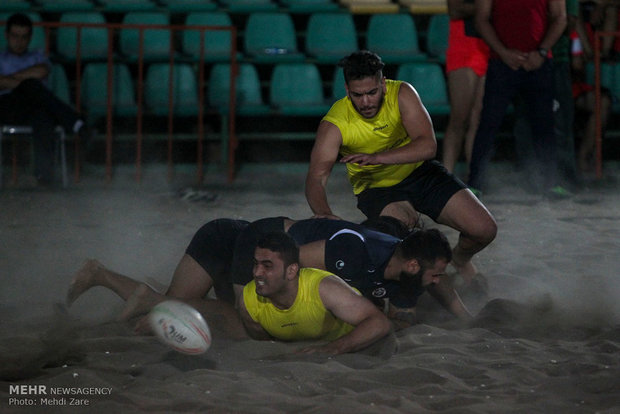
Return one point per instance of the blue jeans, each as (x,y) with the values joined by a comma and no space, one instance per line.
(536,90)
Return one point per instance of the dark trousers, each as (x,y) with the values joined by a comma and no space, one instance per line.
(33,104)
(564,115)
(535,88)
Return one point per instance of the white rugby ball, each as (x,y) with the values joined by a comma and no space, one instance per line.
(181,327)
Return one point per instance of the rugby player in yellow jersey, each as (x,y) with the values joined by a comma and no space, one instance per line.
(288,303)
(384,134)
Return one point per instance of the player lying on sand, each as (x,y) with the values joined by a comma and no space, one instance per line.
(287,303)
(379,265)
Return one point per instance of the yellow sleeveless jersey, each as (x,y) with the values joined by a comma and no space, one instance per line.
(382,132)
(306,319)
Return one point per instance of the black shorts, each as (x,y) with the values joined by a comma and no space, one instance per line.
(428,188)
(243,260)
(212,247)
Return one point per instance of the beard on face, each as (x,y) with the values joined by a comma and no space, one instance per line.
(411,282)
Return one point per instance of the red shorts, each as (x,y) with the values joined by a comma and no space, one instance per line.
(466,51)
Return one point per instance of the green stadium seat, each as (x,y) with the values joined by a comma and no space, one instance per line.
(217,43)
(13,6)
(185,6)
(156,42)
(429,80)
(58,83)
(94,91)
(271,38)
(61,6)
(94,40)
(394,37)
(309,6)
(297,89)
(437,36)
(184,89)
(249,6)
(338,84)
(330,37)
(124,6)
(249,100)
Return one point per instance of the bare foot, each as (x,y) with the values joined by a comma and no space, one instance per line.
(140,301)
(84,279)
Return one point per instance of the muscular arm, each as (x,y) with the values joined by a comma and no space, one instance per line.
(419,127)
(511,57)
(341,300)
(322,160)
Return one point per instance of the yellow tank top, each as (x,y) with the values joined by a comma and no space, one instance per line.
(382,132)
(306,319)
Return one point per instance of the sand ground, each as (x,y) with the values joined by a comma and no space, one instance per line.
(547,342)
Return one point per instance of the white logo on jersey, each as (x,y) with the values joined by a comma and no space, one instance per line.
(379,292)
(339,264)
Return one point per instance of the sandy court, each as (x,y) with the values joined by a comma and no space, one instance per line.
(553,348)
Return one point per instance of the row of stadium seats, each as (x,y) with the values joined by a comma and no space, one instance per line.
(234,6)
(294,89)
(266,37)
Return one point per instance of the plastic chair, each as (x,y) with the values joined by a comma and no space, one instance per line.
(249,100)
(184,89)
(60,6)
(270,38)
(14,6)
(437,36)
(156,42)
(127,5)
(330,36)
(297,89)
(249,6)
(38,32)
(429,80)
(217,43)
(22,130)
(309,6)
(58,83)
(184,6)
(394,37)
(94,41)
(338,88)
(94,90)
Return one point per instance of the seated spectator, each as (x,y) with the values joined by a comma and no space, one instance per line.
(26,100)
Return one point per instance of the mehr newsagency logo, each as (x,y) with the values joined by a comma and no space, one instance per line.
(43,395)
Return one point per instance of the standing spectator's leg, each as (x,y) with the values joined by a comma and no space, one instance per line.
(564,118)
(537,92)
(500,87)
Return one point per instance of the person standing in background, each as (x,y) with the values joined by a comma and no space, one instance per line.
(520,34)
(563,108)
(467,59)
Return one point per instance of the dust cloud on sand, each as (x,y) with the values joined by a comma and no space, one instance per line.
(547,339)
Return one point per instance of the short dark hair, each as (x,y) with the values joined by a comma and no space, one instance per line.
(18,19)
(360,65)
(282,243)
(426,246)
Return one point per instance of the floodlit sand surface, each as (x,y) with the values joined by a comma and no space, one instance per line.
(547,340)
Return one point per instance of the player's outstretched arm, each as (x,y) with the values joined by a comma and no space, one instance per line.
(346,304)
